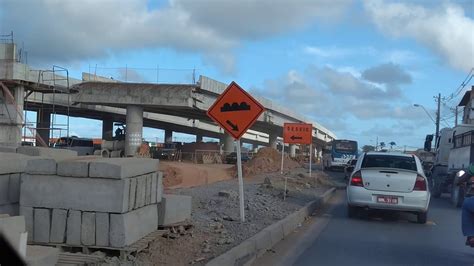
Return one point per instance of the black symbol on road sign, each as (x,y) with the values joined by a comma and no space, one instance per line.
(234,127)
(227,107)
(295,137)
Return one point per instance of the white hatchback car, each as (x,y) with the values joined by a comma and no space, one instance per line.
(391,181)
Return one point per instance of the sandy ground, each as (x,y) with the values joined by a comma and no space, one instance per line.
(216,226)
(186,175)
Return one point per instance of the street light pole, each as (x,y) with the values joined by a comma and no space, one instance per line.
(419,105)
(436,122)
(438,118)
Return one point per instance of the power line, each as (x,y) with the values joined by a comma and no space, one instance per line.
(461,87)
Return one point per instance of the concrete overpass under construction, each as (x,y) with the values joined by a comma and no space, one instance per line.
(172,107)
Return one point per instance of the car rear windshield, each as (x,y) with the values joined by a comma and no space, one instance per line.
(389,161)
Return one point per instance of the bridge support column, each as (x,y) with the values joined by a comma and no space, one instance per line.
(43,124)
(11,113)
(133,136)
(107,128)
(198,138)
(292,150)
(272,140)
(254,147)
(168,136)
(228,142)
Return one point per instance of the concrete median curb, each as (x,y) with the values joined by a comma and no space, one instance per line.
(246,252)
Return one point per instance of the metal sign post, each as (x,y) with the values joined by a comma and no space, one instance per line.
(310,158)
(282,156)
(241,181)
(236,111)
(281,171)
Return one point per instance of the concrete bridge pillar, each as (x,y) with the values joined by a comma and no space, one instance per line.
(43,124)
(292,150)
(168,136)
(228,142)
(133,136)
(107,127)
(254,147)
(198,138)
(11,115)
(273,140)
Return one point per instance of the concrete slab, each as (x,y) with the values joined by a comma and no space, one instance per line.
(11,209)
(73,228)
(127,228)
(148,190)
(132,194)
(160,187)
(14,188)
(174,209)
(102,229)
(154,188)
(12,227)
(42,225)
(141,190)
(4,189)
(85,194)
(41,166)
(12,163)
(88,229)
(58,226)
(41,255)
(58,154)
(8,149)
(27,212)
(118,168)
(74,168)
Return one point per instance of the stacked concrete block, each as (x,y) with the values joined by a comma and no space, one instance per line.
(174,209)
(12,166)
(108,202)
(58,154)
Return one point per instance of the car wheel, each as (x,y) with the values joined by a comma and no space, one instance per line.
(422,217)
(352,211)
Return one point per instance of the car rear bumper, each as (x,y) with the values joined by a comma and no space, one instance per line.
(415,201)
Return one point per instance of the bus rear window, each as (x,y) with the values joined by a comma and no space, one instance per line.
(346,146)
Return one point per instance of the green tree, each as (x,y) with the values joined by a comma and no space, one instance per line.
(367,148)
(392,143)
(382,144)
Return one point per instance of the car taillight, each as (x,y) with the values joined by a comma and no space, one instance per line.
(356,179)
(420,184)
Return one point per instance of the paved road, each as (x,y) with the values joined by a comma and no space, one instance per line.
(387,240)
(382,239)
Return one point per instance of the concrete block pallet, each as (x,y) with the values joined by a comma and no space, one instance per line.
(91,202)
(11,167)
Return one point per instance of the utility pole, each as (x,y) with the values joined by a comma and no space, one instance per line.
(456,116)
(438,99)
(377,143)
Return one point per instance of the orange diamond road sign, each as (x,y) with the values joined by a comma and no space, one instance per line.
(297,133)
(235,110)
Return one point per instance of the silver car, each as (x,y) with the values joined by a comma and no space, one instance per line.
(390,181)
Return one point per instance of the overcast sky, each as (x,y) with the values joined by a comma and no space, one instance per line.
(357,67)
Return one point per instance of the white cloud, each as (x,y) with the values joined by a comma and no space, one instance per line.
(334,94)
(254,19)
(69,31)
(445,29)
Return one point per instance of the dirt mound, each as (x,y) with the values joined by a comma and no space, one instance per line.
(172,176)
(267,160)
(180,174)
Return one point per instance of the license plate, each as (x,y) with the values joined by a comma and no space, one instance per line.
(387,199)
